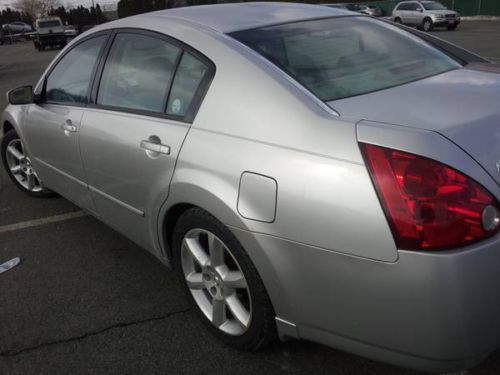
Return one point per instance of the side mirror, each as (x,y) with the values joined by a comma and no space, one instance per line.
(20,95)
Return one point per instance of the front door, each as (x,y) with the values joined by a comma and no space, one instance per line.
(132,136)
(52,125)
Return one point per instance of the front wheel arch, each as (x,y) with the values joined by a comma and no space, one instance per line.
(7,126)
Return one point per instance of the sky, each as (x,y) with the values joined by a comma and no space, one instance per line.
(66,3)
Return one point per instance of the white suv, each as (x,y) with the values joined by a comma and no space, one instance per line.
(425,15)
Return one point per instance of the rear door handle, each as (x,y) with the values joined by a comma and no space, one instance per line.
(69,127)
(155,147)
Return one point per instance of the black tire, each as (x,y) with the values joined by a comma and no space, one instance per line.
(398,20)
(8,137)
(262,328)
(427,24)
(452,27)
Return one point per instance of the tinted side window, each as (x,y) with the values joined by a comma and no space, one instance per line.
(137,73)
(70,79)
(404,6)
(187,79)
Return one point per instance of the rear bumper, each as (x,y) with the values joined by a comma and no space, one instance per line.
(51,39)
(433,312)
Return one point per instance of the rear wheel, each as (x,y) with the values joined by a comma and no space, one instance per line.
(427,24)
(19,168)
(222,281)
(398,20)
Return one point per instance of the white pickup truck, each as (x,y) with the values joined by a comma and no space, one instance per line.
(49,32)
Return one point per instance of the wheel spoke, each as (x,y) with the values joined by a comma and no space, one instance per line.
(216,251)
(234,280)
(218,312)
(195,280)
(196,251)
(15,152)
(16,169)
(31,182)
(238,310)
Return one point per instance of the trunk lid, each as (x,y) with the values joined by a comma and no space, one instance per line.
(462,105)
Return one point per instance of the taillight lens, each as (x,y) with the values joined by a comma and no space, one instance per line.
(429,205)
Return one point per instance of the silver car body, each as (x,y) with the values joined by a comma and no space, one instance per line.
(418,12)
(287,177)
(18,27)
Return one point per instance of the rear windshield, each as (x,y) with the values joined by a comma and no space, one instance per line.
(49,23)
(347,56)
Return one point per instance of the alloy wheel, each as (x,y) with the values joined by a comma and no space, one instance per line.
(427,25)
(20,166)
(216,282)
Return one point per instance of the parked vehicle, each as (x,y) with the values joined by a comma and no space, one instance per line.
(425,15)
(70,31)
(18,27)
(371,10)
(303,179)
(5,36)
(353,7)
(49,33)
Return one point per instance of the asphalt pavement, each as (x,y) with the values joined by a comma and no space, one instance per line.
(87,300)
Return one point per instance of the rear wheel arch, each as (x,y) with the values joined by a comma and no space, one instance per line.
(169,216)
(169,221)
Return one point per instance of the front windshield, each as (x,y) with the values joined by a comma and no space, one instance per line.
(434,6)
(346,56)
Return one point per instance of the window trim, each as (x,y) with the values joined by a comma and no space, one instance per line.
(94,69)
(200,93)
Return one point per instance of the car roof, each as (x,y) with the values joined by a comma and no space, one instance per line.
(231,17)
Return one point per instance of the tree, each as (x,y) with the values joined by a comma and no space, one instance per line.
(100,15)
(37,8)
(9,15)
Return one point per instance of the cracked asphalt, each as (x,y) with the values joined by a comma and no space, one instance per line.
(85,300)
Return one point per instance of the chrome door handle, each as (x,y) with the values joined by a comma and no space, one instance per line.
(155,147)
(69,127)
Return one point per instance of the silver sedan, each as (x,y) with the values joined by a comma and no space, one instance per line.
(310,172)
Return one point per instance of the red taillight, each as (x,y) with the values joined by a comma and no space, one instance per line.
(429,206)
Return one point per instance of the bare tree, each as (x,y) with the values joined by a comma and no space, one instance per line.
(37,8)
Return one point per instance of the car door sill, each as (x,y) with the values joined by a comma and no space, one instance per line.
(91,188)
(117,201)
(74,179)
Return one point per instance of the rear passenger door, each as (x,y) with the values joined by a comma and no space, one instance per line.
(405,13)
(413,13)
(143,104)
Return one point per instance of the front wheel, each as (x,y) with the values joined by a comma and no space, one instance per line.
(427,24)
(222,281)
(452,27)
(19,168)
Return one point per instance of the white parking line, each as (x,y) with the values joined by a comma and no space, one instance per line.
(42,221)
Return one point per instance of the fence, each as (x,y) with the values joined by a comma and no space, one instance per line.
(464,7)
